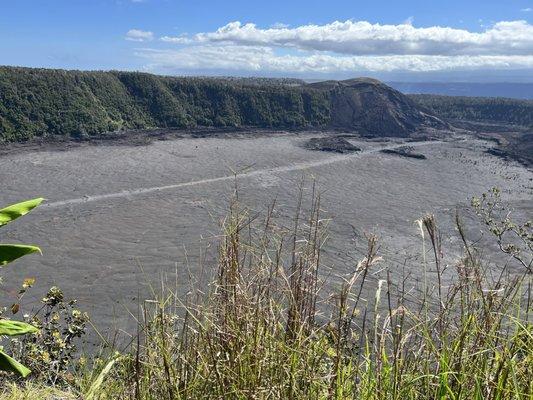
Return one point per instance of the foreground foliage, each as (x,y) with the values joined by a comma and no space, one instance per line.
(269,327)
(262,330)
(51,353)
(8,254)
(34,391)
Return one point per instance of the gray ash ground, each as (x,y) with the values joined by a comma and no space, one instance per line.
(119,218)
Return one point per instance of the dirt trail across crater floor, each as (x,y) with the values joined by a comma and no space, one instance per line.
(253,173)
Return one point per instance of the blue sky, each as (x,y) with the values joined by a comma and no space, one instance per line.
(405,40)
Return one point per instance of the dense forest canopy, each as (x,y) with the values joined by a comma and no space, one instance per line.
(42,102)
(45,102)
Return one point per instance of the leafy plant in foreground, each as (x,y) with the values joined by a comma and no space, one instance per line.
(52,351)
(513,239)
(8,254)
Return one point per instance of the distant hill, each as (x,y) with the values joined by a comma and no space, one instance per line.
(44,103)
(499,89)
(508,122)
(370,106)
(481,109)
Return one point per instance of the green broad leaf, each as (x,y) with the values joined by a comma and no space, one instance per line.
(14,211)
(10,364)
(10,252)
(15,328)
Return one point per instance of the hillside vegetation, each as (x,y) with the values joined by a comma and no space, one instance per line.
(483,109)
(42,102)
(266,327)
(80,104)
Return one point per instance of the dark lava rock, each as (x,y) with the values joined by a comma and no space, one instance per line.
(498,152)
(517,147)
(334,144)
(404,152)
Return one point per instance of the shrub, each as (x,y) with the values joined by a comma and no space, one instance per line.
(51,352)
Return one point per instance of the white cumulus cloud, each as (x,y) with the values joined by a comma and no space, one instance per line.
(137,35)
(182,39)
(365,38)
(348,47)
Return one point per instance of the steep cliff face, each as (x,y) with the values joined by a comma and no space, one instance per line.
(373,108)
(45,103)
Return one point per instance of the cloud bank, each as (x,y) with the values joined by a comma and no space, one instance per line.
(259,58)
(364,38)
(349,46)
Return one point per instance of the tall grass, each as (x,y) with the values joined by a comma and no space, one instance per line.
(265,328)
